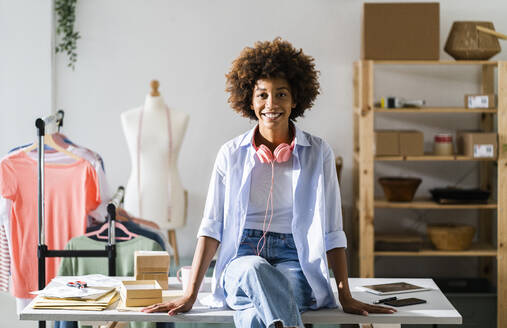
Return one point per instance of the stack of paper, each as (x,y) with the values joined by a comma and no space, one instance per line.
(98,304)
(101,292)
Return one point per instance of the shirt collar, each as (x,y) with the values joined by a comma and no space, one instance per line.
(300,140)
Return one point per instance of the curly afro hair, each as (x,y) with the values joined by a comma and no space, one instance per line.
(276,59)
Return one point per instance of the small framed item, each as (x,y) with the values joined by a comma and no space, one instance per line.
(405,302)
(394,288)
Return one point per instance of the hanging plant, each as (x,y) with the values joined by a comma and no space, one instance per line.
(65,18)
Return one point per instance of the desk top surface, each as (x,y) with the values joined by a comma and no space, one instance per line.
(437,310)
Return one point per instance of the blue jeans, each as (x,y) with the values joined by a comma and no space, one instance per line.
(267,288)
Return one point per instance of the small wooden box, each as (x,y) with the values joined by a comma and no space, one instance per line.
(151,261)
(141,292)
(161,278)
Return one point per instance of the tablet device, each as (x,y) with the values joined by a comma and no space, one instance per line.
(405,302)
(394,288)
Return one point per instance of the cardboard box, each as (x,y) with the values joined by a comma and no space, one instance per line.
(480,101)
(387,143)
(161,278)
(411,143)
(477,144)
(401,31)
(399,142)
(141,292)
(151,261)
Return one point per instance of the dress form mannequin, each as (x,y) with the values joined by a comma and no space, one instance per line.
(157,193)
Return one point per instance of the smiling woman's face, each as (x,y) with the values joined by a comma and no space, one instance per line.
(272,103)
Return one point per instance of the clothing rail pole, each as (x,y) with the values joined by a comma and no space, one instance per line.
(111,237)
(41,123)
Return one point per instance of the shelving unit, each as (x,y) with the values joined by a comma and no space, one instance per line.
(364,173)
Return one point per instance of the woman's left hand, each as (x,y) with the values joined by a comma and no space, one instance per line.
(351,305)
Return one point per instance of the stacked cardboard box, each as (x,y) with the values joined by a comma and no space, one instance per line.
(152,265)
(393,143)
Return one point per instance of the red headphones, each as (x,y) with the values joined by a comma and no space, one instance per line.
(281,154)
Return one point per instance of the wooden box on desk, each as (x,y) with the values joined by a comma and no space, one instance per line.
(151,261)
(161,278)
(141,292)
(152,265)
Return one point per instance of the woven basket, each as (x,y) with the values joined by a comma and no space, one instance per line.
(465,42)
(451,237)
(399,189)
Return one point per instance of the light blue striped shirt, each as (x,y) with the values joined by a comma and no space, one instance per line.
(317,220)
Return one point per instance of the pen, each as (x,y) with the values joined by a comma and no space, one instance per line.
(383,300)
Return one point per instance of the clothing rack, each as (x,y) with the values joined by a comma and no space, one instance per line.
(42,250)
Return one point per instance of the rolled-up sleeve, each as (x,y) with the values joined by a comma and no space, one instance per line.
(334,234)
(213,217)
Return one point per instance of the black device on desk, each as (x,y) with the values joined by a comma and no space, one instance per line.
(405,302)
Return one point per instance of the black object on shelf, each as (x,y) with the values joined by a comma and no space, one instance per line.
(459,196)
(464,285)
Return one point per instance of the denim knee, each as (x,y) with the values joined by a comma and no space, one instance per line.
(259,269)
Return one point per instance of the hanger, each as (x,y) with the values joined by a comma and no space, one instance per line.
(118,225)
(50,141)
(62,140)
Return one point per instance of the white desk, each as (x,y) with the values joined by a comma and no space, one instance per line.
(437,310)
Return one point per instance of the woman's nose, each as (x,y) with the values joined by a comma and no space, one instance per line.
(269,102)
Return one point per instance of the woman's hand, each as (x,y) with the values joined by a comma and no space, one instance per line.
(182,304)
(351,305)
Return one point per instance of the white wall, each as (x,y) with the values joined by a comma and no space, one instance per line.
(25,89)
(189,46)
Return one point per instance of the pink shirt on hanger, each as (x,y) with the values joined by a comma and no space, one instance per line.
(71,191)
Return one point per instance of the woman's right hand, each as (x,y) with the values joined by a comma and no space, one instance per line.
(182,304)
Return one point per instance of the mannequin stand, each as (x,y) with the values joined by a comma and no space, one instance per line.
(171,233)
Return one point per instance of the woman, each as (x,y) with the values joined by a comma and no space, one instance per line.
(273,202)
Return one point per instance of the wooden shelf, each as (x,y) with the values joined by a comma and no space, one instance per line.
(430,157)
(491,231)
(476,250)
(433,110)
(435,62)
(429,204)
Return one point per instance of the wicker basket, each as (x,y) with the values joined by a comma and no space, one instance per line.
(466,43)
(399,189)
(450,237)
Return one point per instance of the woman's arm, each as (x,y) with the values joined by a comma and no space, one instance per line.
(338,262)
(204,252)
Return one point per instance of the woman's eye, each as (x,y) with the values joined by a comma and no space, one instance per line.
(262,95)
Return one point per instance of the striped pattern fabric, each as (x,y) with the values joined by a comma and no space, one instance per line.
(5,261)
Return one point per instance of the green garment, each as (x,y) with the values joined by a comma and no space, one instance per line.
(78,266)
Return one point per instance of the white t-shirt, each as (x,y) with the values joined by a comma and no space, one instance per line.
(282,197)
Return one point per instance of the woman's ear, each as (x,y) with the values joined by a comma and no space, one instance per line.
(293,105)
